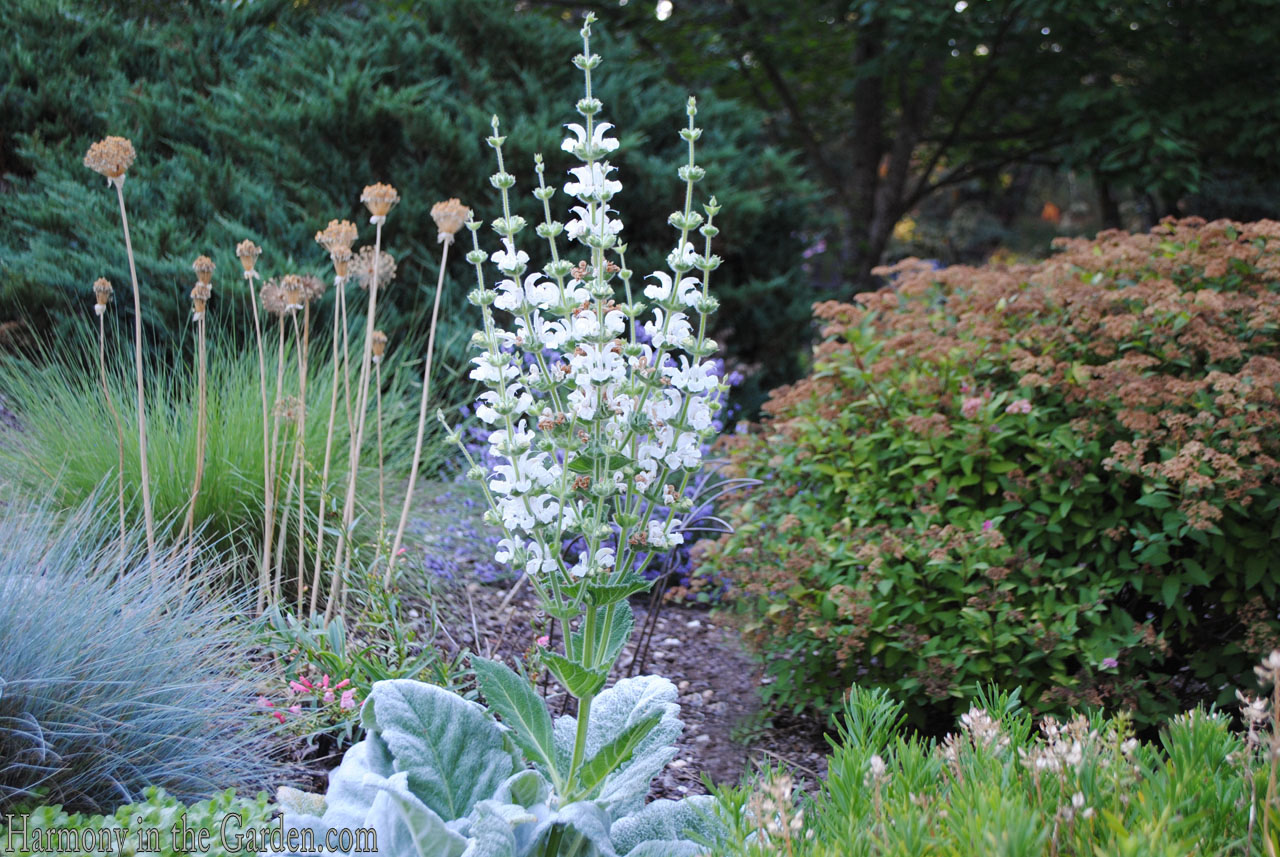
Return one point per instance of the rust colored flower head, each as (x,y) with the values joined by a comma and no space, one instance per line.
(289,408)
(312,287)
(449,216)
(338,235)
(379,198)
(102,291)
(199,299)
(341,258)
(248,253)
(273,298)
(203,266)
(378,345)
(110,157)
(362,268)
(292,286)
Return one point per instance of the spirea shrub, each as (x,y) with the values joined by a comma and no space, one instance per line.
(1060,476)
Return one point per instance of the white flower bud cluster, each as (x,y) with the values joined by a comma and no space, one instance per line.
(598,408)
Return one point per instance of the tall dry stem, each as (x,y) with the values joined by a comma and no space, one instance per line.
(446,238)
(103,290)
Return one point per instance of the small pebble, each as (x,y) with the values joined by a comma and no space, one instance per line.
(694,623)
(702,739)
(683,686)
(672,641)
(414,614)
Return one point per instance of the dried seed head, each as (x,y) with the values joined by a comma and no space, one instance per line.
(102,291)
(203,266)
(379,198)
(362,265)
(339,234)
(289,408)
(110,157)
(292,287)
(199,299)
(378,345)
(449,217)
(248,253)
(273,300)
(312,287)
(341,258)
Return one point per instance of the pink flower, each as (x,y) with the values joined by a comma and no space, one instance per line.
(348,700)
(988,526)
(306,683)
(971,406)
(278,716)
(1109,663)
(1021,406)
(295,709)
(328,696)
(297,688)
(340,685)
(544,640)
(325,682)
(263,702)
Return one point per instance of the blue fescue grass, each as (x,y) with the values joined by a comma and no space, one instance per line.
(109,682)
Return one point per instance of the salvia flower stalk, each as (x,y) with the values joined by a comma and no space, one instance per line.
(599,401)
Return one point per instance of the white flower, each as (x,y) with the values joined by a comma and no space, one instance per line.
(597,364)
(602,225)
(598,139)
(687,452)
(668,331)
(539,560)
(593,183)
(582,401)
(487,370)
(683,256)
(509,260)
(660,537)
(687,289)
(695,378)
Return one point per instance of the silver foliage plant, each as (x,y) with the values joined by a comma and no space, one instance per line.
(598,411)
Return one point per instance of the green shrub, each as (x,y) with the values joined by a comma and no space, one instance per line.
(63,444)
(999,785)
(225,818)
(1061,476)
(115,677)
(264,120)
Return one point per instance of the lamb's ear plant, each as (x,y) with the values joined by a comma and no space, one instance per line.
(111,158)
(599,411)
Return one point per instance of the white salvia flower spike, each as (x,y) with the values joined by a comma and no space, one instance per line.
(597,400)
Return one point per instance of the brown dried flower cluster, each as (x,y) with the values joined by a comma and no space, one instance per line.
(292,288)
(102,291)
(338,235)
(248,252)
(110,157)
(362,268)
(378,345)
(312,287)
(200,299)
(379,198)
(273,298)
(450,216)
(203,266)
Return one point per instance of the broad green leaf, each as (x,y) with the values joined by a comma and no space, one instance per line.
(452,751)
(577,679)
(520,708)
(615,753)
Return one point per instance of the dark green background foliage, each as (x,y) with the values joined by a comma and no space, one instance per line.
(1063,477)
(266,121)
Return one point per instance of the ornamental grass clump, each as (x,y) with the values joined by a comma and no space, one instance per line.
(110,683)
(598,410)
(1062,476)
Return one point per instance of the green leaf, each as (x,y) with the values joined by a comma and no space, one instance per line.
(577,679)
(521,709)
(619,631)
(1170,589)
(614,754)
(454,754)
(604,593)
